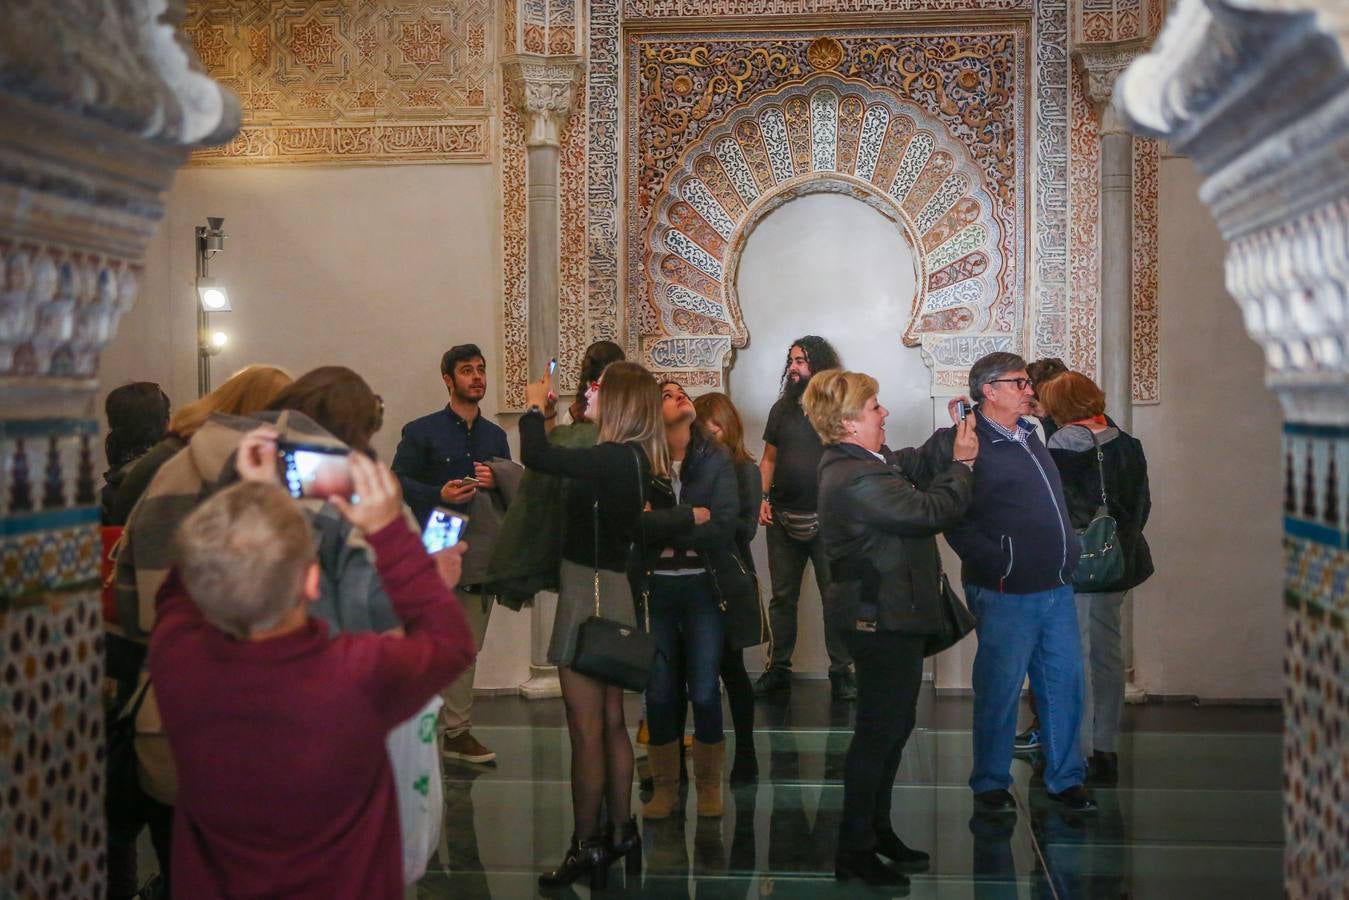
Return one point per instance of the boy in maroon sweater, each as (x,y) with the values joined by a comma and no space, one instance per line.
(277,727)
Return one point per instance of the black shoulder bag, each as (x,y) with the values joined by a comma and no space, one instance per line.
(1102,561)
(612,651)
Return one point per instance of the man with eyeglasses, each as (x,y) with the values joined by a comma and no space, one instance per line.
(443,460)
(1018,550)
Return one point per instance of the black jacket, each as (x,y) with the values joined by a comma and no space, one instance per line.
(707,478)
(1126,486)
(879,533)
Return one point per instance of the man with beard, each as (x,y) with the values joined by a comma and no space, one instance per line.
(442,461)
(789,472)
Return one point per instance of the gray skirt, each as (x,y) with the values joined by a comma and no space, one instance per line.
(576,603)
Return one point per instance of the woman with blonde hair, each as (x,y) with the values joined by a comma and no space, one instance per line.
(247,391)
(609,486)
(719,416)
(879,533)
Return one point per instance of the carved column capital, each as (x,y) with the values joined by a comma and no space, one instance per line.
(1102,65)
(543,88)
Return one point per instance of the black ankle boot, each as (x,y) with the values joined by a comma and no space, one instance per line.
(891,847)
(625,843)
(865,866)
(745,768)
(588,857)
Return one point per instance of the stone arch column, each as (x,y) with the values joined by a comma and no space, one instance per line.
(1257,93)
(95,117)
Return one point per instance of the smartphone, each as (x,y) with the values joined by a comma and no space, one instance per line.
(315,471)
(469,479)
(962,410)
(443,529)
(552,367)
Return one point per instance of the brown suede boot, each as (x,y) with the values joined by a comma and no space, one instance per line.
(708,761)
(664,762)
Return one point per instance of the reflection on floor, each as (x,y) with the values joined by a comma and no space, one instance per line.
(1196,812)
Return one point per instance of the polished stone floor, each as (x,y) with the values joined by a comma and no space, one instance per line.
(1196,812)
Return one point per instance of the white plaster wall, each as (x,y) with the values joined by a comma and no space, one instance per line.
(829,265)
(380,268)
(1209,623)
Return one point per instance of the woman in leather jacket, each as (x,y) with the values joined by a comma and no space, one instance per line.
(879,534)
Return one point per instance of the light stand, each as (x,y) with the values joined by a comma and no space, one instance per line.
(210,241)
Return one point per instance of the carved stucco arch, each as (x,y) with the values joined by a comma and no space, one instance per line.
(825,134)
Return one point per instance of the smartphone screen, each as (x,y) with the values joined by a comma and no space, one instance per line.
(311,471)
(552,367)
(442,530)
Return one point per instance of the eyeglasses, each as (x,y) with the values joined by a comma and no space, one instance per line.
(1021,383)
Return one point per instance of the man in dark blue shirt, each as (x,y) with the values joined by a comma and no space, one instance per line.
(442,461)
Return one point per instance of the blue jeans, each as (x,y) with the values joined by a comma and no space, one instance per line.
(1020,634)
(687,625)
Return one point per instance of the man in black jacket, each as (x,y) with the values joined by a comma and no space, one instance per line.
(1017,549)
(789,471)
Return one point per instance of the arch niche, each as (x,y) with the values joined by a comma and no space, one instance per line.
(828,135)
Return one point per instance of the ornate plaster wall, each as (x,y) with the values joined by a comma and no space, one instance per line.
(1052,285)
(341,81)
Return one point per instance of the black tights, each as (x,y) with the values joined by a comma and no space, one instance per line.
(601,751)
(740,694)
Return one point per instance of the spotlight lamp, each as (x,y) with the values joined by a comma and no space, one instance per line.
(215,343)
(213,295)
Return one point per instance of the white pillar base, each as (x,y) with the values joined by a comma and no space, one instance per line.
(542,684)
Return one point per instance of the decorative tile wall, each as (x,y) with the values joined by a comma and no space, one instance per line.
(350,80)
(49,518)
(1316,659)
(51,742)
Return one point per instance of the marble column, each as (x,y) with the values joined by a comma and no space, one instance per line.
(1102,67)
(1256,92)
(99,106)
(544,89)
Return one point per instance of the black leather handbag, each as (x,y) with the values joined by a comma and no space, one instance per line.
(737,590)
(956,621)
(611,651)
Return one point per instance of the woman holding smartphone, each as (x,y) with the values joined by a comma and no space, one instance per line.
(604,519)
(880,532)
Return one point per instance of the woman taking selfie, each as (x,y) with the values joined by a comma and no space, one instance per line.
(879,533)
(603,511)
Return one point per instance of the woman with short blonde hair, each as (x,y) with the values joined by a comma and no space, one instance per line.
(879,532)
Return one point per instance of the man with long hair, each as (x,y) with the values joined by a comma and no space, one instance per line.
(788,471)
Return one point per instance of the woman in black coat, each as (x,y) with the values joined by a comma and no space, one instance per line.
(879,534)
(1077,406)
